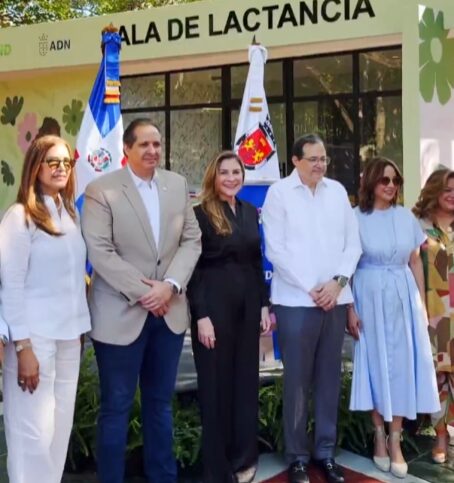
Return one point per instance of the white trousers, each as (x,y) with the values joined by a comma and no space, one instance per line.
(38,425)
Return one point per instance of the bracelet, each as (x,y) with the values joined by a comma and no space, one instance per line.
(350,306)
(21,347)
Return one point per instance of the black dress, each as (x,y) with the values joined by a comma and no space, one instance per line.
(228,286)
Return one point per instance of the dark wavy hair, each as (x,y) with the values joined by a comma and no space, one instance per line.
(370,177)
(427,202)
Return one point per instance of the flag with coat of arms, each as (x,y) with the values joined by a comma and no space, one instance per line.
(254,140)
(99,146)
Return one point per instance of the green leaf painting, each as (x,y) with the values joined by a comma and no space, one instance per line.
(436,56)
(11,110)
(7,174)
(72,117)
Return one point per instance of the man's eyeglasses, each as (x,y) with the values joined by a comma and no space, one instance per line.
(322,160)
(385,180)
(55,163)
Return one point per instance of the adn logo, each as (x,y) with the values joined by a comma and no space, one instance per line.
(5,49)
(45,45)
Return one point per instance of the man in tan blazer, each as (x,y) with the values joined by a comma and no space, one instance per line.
(143,242)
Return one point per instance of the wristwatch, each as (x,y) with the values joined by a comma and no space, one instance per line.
(21,346)
(3,339)
(341,280)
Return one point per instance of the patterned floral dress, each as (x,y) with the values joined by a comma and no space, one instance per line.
(437,254)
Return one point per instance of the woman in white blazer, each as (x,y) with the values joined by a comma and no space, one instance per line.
(42,270)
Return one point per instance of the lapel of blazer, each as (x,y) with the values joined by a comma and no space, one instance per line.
(164,199)
(132,194)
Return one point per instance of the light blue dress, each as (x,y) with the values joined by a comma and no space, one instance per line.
(393,366)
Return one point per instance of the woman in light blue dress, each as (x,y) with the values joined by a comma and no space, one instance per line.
(393,375)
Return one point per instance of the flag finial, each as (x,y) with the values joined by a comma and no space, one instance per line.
(254,41)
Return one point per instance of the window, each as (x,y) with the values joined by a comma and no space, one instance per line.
(323,75)
(195,87)
(143,91)
(196,139)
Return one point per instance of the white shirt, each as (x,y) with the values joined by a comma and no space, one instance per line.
(148,191)
(43,276)
(309,239)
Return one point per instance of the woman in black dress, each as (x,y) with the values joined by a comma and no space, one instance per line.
(229,303)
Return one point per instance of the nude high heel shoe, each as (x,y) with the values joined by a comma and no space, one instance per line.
(399,470)
(383,463)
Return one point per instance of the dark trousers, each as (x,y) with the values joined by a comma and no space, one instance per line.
(152,359)
(228,383)
(310,341)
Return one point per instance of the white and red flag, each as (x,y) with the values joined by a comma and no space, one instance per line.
(254,140)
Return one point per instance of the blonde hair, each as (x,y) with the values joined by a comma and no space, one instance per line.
(427,202)
(209,198)
(30,193)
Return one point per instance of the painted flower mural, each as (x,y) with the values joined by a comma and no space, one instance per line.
(72,117)
(27,131)
(436,57)
(11,110)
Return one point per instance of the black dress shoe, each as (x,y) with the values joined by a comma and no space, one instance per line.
(333,472)
(297,473)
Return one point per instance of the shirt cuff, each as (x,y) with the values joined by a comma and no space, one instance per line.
(19,333)
(174,282)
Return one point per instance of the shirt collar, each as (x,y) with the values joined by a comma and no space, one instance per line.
(296,182)
(141,182)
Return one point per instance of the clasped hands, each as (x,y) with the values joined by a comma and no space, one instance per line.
(325,295)
(157,299)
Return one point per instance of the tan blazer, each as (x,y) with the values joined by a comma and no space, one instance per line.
(122,250)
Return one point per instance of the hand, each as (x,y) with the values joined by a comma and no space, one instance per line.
(325,295)
(27,370)
(159,295)
(265,323)
(161,311)
(353,323)
(206,332)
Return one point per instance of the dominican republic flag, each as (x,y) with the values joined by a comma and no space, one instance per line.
(254,141)
(99,146)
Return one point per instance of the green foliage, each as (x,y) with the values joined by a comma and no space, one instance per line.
(20,12)
(7,174)
(271,433)
(187,432)
(11,110)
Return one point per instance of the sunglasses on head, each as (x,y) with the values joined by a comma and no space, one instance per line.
(54,163)
(385,180)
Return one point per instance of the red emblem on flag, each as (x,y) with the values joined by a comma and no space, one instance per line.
(255,148)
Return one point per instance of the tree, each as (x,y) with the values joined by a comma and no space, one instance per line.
(21,12)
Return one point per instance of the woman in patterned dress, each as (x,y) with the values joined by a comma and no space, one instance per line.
(435,210)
